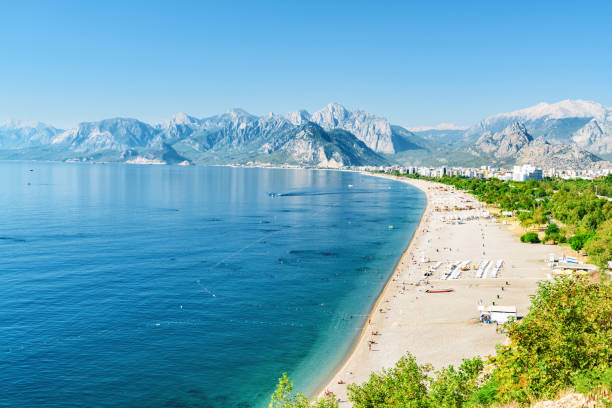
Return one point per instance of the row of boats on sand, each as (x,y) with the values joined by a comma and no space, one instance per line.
(486,268)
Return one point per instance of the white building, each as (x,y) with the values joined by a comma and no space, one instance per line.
(526,172)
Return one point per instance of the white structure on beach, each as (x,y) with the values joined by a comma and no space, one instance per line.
(498,314)
(526,172)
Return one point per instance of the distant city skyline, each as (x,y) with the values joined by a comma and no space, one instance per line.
(414,64)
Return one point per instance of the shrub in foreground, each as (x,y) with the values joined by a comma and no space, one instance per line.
(410,385)
(284,397)
(452,387)
(530,237)
(404,385)
(567,333)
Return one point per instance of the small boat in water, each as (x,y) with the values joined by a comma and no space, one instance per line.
(439,290)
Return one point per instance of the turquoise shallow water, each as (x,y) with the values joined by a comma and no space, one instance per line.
(163,286)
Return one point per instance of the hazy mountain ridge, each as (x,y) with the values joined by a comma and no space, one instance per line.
(375,132)
(504,144)
(239,137)
(232,137)
(558,156)
(20,135)
(587,124)
(337,148)
(109,134)
(514,144)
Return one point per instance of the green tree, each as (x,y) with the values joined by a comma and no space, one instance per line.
(577,242)
(284,397)
(567,331)
(403,386)
(452,387)
(599,247)
(552,229)
(530,237)
(553,233)
(540,216)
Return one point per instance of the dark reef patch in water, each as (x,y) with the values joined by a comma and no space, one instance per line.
(324,193)
(66,236)
(311,252)
(294,210)
(12,239)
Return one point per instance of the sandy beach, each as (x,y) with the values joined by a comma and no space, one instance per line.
(443,328)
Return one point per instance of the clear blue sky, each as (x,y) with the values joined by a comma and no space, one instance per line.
(416,63)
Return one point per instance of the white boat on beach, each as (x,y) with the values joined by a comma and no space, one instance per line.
(482,268)
(486,271)
(498,266)
(457,272)
(451,268)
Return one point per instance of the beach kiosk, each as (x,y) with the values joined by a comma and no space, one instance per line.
(571,268)
(497,314)
(501,314)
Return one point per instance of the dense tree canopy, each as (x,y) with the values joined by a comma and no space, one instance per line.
(567,334)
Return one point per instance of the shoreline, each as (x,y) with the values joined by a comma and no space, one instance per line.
(381,294)
(441,329)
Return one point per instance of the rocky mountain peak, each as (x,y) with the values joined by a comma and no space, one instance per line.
(374,131)
(299,117)
(547,156)
(517,129)
(595,137)
(563,122)
(237,113)
(332,116)
(564,109)
(24,124)
(506,143)
(15,134)
(180,118)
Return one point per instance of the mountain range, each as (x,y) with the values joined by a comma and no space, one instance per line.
(569,134)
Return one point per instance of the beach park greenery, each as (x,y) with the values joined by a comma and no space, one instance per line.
(530,237)
(563,343)
(574,212)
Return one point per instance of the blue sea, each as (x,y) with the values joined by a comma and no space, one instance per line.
(169,286)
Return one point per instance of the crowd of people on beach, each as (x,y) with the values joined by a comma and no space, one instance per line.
(408,279)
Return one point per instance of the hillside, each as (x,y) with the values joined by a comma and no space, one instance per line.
(515,144)
(584,123)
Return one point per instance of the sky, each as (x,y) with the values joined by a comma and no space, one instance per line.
(415,63)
